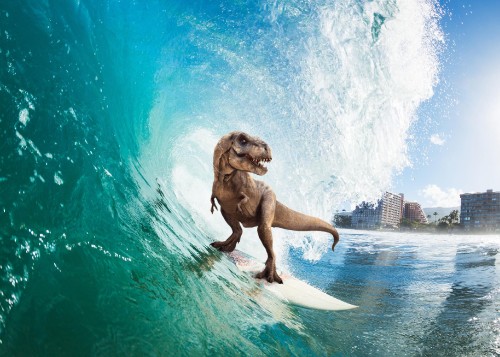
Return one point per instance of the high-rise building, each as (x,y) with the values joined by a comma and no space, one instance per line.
(480,211)
(414,212)
(386,213)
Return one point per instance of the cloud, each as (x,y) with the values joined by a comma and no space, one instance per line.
(436,139)
(437,197)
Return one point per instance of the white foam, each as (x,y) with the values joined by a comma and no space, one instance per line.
(334,101)
(24,116)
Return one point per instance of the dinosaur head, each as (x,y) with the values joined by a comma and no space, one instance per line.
(248,153)
(240,151)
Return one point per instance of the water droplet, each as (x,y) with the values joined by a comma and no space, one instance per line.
(57,178)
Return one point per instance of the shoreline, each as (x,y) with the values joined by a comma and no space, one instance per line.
(428,231)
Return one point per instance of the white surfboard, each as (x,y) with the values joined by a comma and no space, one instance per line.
(293,290)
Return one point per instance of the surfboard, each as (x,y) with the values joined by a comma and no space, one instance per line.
(293,291)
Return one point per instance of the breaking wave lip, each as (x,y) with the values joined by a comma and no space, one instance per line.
(335,96)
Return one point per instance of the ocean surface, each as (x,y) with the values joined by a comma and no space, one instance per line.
(109,113)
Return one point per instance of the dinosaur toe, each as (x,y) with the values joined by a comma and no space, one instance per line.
(269,276)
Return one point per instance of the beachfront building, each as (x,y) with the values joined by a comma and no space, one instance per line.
(386,213)
(480,211)
(343,219)
(414,212)
(366,216)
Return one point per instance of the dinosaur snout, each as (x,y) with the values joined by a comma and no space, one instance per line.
(267,150)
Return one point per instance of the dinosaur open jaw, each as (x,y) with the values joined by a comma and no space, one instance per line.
(258,162)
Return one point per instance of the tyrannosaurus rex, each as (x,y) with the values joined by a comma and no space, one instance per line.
(253,203)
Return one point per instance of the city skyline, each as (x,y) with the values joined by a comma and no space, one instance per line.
(454,143)
(479,212)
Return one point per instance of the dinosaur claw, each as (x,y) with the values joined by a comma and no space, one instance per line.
(228,245)
(269,276)
(212,200)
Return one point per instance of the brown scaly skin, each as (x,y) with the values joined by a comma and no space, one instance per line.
(253,203)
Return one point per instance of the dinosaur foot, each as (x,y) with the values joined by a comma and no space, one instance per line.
(270,275)
(224,246)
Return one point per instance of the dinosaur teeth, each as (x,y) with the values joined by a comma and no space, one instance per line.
(257,162)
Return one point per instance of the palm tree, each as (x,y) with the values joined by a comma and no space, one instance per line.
(454,216)
(435,214)
(429,218)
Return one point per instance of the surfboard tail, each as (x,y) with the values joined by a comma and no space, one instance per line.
(287,218)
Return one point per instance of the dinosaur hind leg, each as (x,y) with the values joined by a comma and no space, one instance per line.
(229,244)
(268,206)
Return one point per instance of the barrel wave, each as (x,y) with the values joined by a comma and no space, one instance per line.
(109,112)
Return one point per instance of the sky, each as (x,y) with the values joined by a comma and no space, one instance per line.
(458,129)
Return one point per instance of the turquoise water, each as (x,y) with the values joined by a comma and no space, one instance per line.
(418,294)
(109,112)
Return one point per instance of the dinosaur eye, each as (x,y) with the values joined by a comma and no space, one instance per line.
(243,141)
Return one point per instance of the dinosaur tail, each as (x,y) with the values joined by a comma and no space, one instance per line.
(287,218)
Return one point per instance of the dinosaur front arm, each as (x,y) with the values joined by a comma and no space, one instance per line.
(213,197)
(212,200)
